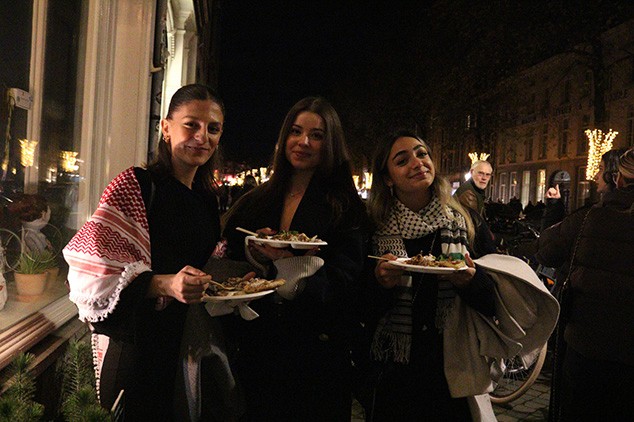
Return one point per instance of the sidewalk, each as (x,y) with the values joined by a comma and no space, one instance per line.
(532,406)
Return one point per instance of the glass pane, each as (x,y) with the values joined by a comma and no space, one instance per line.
(541,185)
(61,126)
(15,54)
(526,185)
(503,182)
(583,187)
(513,186)
(43,186)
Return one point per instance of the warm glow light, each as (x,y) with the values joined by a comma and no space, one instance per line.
(368,179)
(475,157)
(51,174)
(68,160)
(599,143)
(264,174)
(27,152)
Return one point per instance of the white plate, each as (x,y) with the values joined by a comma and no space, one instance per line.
(400,262)
(285,243)
(249,296)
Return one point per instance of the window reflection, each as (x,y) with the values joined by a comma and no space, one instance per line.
(46,168)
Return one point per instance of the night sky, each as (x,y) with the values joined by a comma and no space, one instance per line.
(274,53)
(381,60)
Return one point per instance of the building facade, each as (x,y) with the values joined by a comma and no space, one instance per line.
(535,122)
(84,85)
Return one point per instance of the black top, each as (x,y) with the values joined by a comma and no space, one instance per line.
(322,305)
(184,229)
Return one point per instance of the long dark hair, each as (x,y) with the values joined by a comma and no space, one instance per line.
(162,165)
(334,171)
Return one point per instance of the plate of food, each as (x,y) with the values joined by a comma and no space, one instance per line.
(236,288)
(430,264)
(293,239)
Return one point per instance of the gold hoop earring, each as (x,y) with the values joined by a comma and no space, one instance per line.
(166,139)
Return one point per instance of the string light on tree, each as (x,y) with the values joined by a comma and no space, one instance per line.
(599,143)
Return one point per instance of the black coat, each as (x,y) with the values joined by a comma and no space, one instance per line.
(601,324)
(305,343)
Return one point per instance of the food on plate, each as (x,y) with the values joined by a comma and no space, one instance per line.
(236,286)
(290,236)
(430,260)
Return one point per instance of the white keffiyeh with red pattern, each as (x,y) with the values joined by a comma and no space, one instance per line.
(110,250)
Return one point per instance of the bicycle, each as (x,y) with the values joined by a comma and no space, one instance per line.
(519,374)
(518,377)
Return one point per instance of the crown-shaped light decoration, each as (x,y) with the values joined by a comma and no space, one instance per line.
(482,157)
(68,160)
(599,143)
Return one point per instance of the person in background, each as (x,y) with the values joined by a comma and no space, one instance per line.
(414,212)
(134,266)
(605,178)
(471,193)
(598,363)
(294,360)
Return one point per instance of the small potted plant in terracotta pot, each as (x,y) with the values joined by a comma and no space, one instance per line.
(30,274)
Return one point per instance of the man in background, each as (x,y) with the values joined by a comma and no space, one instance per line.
(471,193)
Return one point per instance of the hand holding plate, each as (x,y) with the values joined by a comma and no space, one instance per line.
(387,274)
(462,278)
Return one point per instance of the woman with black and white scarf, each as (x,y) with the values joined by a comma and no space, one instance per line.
(415,213)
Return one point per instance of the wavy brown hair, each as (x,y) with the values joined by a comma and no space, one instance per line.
(381,199)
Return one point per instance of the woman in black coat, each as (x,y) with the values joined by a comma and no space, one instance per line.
(294,360)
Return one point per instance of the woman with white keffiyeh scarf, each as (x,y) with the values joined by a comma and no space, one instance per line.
(415,213)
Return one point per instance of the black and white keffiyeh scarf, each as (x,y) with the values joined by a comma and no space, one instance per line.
(393,336)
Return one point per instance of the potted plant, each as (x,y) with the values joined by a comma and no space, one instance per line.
(31,272)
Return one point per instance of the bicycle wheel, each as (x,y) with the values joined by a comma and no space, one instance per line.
(10,250)
(517,378)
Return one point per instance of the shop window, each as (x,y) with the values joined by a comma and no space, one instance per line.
(15,51)
(503,187)
(583,187)
(40,184)
(540,190)
(513,185)
(526,187)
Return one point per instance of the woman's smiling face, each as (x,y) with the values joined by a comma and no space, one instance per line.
(305,140)
(193,133)
(409,166)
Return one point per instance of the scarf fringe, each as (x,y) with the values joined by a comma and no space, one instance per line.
(388,345)
(393,337)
